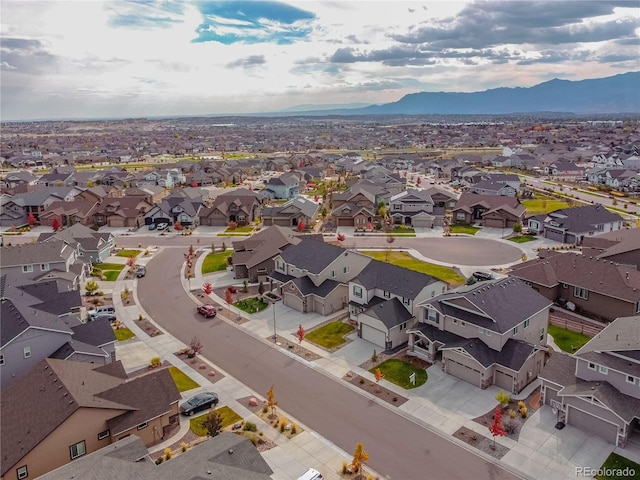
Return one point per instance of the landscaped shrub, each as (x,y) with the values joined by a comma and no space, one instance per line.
(167,453)
(524,412)
(362,381)
(183,446)
(155,362)
(345,467)
(511,426)
(265,409)
(159,460)
(512,413)
(294,430)
(250,427)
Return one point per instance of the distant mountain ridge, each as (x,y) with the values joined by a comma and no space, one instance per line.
(609,95)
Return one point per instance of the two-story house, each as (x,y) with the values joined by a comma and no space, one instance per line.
(492,332)
(92,246)
(312,276)
(121,212)
(598,388)
(383,300)
(420,208)
(175,208)
(298,210)
(285,186)
(593,286)
(240,205)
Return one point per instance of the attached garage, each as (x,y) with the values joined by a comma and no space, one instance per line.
(503,380)
(345,222)
(463,372)
(554,235)
(494,222)
(294,302)
(373,335)
(591,424)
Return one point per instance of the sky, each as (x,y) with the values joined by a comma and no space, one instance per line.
(124,59)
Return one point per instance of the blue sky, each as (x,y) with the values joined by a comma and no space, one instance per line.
(88,58)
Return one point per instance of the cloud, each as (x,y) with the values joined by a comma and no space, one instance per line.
(247,62)
(252,21)
(140,14)
(6,66)
(26,55)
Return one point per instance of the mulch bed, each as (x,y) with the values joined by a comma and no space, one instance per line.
(188,438)
(266,417)
(148,327)
(375,389)
(532,402)
(198,365)
(294,347)
(482,443)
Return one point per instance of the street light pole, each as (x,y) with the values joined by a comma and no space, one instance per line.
(275,334)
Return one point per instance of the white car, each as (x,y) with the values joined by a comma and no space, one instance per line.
(162,226)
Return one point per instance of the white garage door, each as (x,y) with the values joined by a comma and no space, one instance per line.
(463,372)
(374,335)
(591,424)
(504,380)
(294,302)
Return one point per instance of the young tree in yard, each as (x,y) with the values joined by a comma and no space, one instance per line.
(359,457)
(390,240)
(207,288)
(503,398)
(315,198)
(232,225)
(195,345)
(228,297)
(300,333)
(271,402)
(418,181)
(177,226)
(379,375)
(369,226)
(260,288)
(31,220)
(341,237)
(496,428)
(213,423)
(301,226)
(517,227)
(131,262)
(92,287)
(55,223)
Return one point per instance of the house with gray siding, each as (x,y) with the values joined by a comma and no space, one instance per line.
(598,388)
(92,246)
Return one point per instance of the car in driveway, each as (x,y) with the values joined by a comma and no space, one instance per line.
(482,276)
(162,226)
(207,310)
(201,401)
(141,271)
(152,226)
(111,317)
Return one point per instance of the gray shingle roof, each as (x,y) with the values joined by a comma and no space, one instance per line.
(560,369)
(307,287)
(581,219)
(390,312)
(624,406)
(35,253)
(513,354)
(74,346)
(391,278)
(98,333)
(311,255)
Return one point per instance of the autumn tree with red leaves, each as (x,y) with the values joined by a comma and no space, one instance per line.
(55,224)
(131,262)
(228,296)
(301,226)
(207,288)
(341,237)
(496,428)
(177,226)
(31,220)
(300,333)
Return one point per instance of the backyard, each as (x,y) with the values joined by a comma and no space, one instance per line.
(404,260)
(567,340)
(216,262)
(398,372)
(331,335)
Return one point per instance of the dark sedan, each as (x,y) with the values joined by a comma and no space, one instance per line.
(202,401)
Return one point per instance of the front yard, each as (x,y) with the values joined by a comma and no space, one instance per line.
(522,239)
(567,340)
(123,334)
(468,229)
(617,467)
(216,262)
(229,417)
(182,380)
(251,305)
(403,259)
(128,253)
(331,335)
(398,372)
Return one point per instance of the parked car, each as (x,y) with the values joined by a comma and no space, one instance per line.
(141,271)
(104,316)
(152,226)
(482,276)
(162,225)
(311,474)
(207,310)
(101,310)
(202,401)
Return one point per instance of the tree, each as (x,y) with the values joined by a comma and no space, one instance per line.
(92,287)
(503,398)
(315,198)
(228,297)
(131,262)
(517,227)
(213,423)
(301,226)
(55,223)
(418,181)
(300,333)
(379,375)
(260,288)
(195,345)
(245,288)
(382,209)
(232,225)
(496,428)
(207,288)
(341,237)
(390,240)
(194,184)
(369,226)
(31,220)
(271,402)
(359,457)
(177,226)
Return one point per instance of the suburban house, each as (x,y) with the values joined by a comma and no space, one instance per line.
(620,246)
(592,286)
(68,213)
(229,455)
(488,333)
(43,261)
(241,206)
(175,208)
(298,210)
(383,299)
(253,257)
(565,170)
(357,206)
(488,210)
(76,408)
(12,212)
(420,208)
(13,179)
(37,201)
(91,245)
(121,212)
(286,185)
(312,275)
(572,225)
(598,388)
(488,187)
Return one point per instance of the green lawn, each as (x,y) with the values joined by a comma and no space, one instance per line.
(216,262)
(109,266)
(522,239)
(398,371)
(468,229)
(128,253)
(538,206)
(111,275)
(567,340)
(243,229)
(251,305)
(123,334)
(403,259)
(182,380)
(618,462)
(403,231)
(331,335)
(229,417)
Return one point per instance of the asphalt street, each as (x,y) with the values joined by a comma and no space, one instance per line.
(399,448)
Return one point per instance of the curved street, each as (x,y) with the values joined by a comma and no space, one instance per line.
(398,447)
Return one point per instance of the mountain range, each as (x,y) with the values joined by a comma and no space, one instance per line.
(609,95)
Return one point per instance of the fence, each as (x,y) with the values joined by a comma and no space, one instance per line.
(575,325)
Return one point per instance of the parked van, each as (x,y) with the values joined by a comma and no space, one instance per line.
(311,474)
(101,310)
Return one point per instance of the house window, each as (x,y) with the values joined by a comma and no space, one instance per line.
(463,324)
(22,472)
(631,379)
(515,330)
(406,301)
(333,274)
(480,330)
(603,370)
(27,352)
(44,267)
(103,435)
(455,320)
(432,316)
(582,293)
(542,334)
(1,359)
(345,269)
(386,294)
(565,285)
(591,366)
(280,266)
(142,425)
(78,450)
(357,291)
(27,268)
(460,215)
(488,332)
(526,323)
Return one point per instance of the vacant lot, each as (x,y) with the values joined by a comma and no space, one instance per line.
(542,204)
